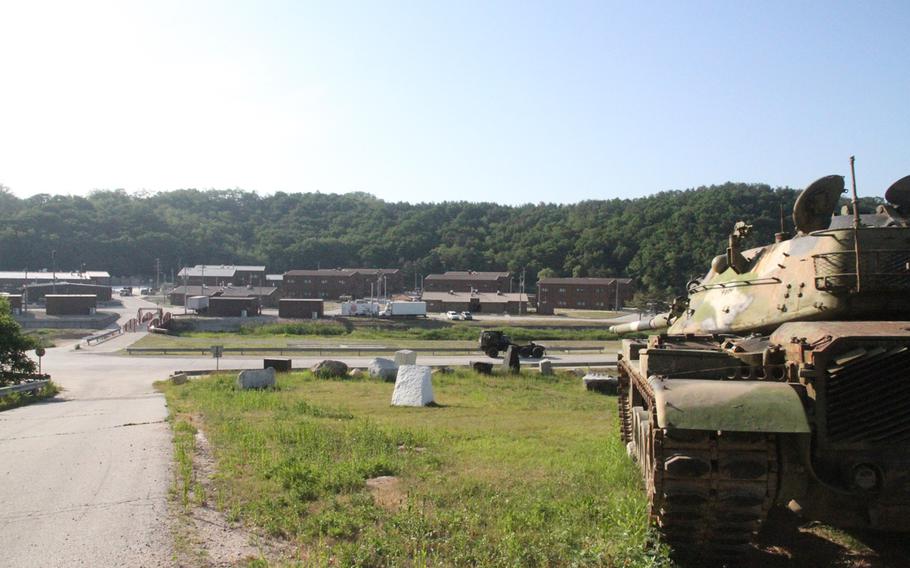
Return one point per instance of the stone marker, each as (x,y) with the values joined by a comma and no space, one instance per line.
(382,368)
(546,367)
(329,368)
(482,367)
(405,357)
(413,387)
(256,379)
(178,378)
(510,362)
(601,383)
(281,365)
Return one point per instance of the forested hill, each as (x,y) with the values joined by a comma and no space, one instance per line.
(660,240)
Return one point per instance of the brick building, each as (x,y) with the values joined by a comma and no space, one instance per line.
(476,302)
(35,292)
(267,296)
(14,281)
(333,283)
(458,281)
(71,304)
(234,307)
(222,275)
(583,293)
(300,308)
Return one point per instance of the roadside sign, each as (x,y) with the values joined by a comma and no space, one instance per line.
(39,351)
(217,352)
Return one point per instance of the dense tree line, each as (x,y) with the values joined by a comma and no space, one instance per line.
(661,240)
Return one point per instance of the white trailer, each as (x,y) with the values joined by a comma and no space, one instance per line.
(360,308)
(197,303)
(404,309)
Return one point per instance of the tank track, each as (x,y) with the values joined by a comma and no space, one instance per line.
(708,492)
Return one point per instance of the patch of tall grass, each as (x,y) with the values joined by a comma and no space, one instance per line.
(507,471)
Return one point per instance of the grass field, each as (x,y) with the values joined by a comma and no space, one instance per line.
(234,340)
(399,335)
(48,338)
(506,471)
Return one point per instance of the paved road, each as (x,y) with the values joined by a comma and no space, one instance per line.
(84,478)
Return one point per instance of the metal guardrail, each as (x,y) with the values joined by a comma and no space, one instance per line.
(323,350)
(30,386)
(102,337)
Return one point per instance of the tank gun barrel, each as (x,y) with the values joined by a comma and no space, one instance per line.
(660,321)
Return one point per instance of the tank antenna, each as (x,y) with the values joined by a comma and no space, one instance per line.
(856,222)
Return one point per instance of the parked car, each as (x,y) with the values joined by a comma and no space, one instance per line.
(454,316)
(466,316)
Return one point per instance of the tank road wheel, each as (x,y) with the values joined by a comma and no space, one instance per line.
(537,352)
(492,353)
(708,493)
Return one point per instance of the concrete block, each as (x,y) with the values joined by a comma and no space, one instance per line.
(510,361)
(405,357)
(256,379)
(482,367)
(178,378)
(281,365)
(546,367)
(413,387)
(381,368)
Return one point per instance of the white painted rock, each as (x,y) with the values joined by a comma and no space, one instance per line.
(413,387)
(381,368)
(256,379)
(405,357)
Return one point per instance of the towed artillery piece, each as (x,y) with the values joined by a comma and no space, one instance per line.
(781,379)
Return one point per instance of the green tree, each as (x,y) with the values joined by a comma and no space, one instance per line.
(13,347)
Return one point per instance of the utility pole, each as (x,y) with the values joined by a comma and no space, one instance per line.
(157,274)
(25,292)
(186,290)
(522,293)
(616,304)
(54,268)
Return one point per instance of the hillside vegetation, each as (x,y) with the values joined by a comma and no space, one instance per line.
(661,240)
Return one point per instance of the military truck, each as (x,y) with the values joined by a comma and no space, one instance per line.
(782,379)
(493,341)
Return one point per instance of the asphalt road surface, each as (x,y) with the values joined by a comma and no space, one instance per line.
(84,477)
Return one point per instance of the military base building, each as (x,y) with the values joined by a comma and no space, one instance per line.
(335,283)
(582,293)
(266,296)
(467,281)
(14,281)
(476,302)
(222,275)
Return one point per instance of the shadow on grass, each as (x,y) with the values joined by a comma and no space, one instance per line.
(788,541)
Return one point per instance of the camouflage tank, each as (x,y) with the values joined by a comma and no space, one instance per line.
(782,379)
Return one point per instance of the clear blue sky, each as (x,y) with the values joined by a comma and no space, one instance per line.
(428,101)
